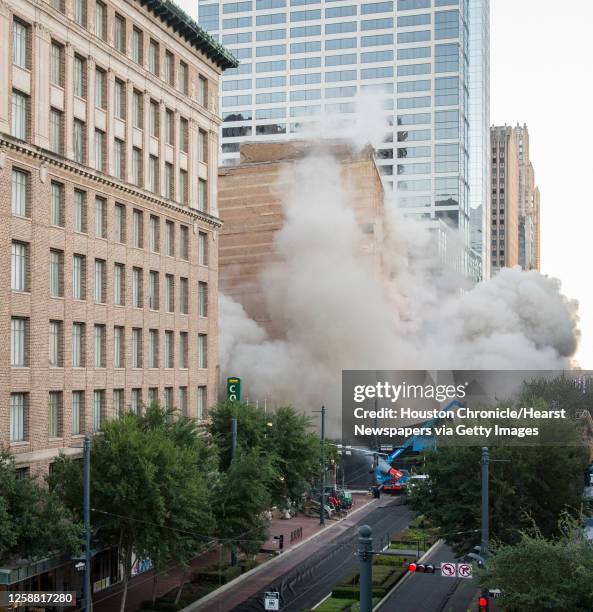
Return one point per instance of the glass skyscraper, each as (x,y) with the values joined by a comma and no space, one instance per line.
(301,58)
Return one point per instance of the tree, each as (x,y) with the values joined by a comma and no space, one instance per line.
(33,521)
(540,574)
(241,495)
(149,490)
(537,482)
(563,389)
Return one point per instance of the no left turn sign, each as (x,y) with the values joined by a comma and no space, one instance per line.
(449,570)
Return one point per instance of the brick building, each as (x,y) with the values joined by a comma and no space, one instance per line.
(250,205)
(108,218)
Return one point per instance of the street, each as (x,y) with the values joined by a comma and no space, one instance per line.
(433,592)
(306,576)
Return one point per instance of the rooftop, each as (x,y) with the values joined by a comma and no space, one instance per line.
(187,28)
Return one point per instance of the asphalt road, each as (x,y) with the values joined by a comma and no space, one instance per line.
(305,585)
(433,592)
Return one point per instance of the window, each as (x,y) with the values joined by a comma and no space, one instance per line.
(136,347)
(446,24)
(78,337)
(57,205)
(168,398)
(79,76)
(203,146)
(376,7)
(446,91)
(202,91)
(201,402)
(153,57)
(56,130)
(119,33)
(184,78)
(169,349)
(19,193)
(136,403)
(19,266)
(54,423)
(78,143)
(56,273)
(18,416)
(19,349)
(183,349)
(446,158)
(137,289)
(184,242)
(413,37)
(77,412)
(99,150)
(118,347)
(100,339)
(119,284)
(138,110)
(137,229)
(101,20)
(137,44)
(153,118)
(183,134)
(20,44)
(202,248)
(170,238)
(100,88)
(184,295)
(446,124)
(169,68)
(98,408)
(119,157)
(169,127)
(182,405)
(118,402)
(120,99)
(80,12)
(79,211)
(136,166)
(153,348)
(203,299)
(100,218)
(409,5)
(154,237)
(120,223)
(57,64)
(100,281)
(169,182)
(202,195)
(153,173)
(79,277)
(183,187)
(56,344)
(202,350)
(153,290)
(20,113)
(169,293)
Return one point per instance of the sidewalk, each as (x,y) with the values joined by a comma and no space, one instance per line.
(140,587)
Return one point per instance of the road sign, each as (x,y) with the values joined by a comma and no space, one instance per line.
(464,570)
(272,600)
(449,570)
(233,388)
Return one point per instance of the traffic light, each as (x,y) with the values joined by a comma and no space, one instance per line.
(483,604)
(421,568)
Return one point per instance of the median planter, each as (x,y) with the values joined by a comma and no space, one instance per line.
(216,576)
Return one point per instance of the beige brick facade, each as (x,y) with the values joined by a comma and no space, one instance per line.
(250,204)
(178,73)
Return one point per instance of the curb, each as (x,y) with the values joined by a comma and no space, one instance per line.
(404,578)
(233,583)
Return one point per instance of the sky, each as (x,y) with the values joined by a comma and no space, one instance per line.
(542,75)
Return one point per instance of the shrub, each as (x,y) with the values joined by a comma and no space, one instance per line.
(223,576)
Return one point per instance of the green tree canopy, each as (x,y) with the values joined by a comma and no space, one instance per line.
(33,521)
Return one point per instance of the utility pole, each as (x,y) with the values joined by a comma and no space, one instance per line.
(233,451)
(485,502)
(322,500)
(88,559)
(365,555)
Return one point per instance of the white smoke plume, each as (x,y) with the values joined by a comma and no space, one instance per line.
(340,310)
